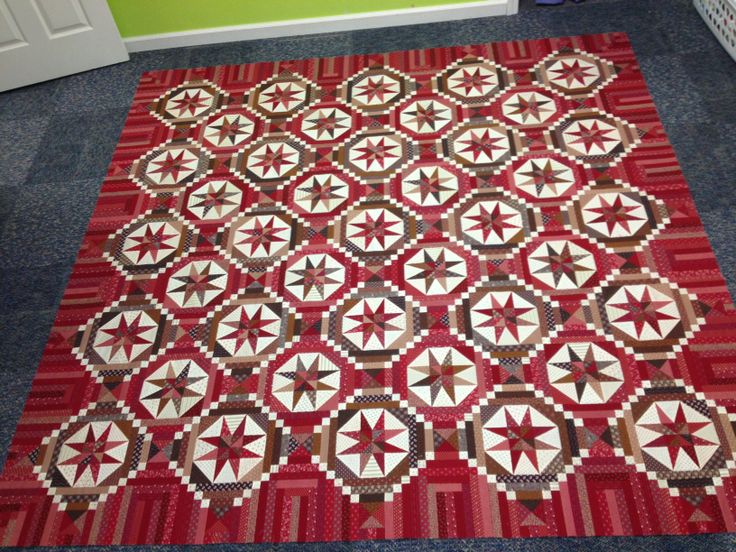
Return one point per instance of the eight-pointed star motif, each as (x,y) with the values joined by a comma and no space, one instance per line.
(231,449)
(306,382)
(429,186)
(321,193)
(197,284)
(544,178)
(572,73)
(529,108)
(229,130)
(315,277)
(642,312)
(372,443)
(272,160)
(425,116)
(592,137)
(561,264)
(374,323)
(522,440)
(151,243)
(92,454)
(174,388)
(189,103)
(678,435)
(435,270)
(326,124)
(282,97)
(375,230)
(585,372)
(475,81)
(442,376)
(491,222)
(376,90)
(249,329)
(172,166)
(505,318)
(376,154)
(125,337)
(214,200)
(482,145)
(615,214)
(262,236)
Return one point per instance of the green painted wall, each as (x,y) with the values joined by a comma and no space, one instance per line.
(142,17)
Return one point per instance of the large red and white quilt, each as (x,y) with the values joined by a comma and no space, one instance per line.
(456,292)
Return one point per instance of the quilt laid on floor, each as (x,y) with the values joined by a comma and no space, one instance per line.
(455,292)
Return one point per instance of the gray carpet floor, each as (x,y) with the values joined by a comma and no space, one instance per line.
(56,140)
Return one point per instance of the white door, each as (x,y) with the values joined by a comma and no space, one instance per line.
(45,39)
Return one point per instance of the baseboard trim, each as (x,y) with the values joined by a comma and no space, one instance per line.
(294,27)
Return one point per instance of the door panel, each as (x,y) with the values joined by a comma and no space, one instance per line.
(10,35)
(61,17)
(45,39)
